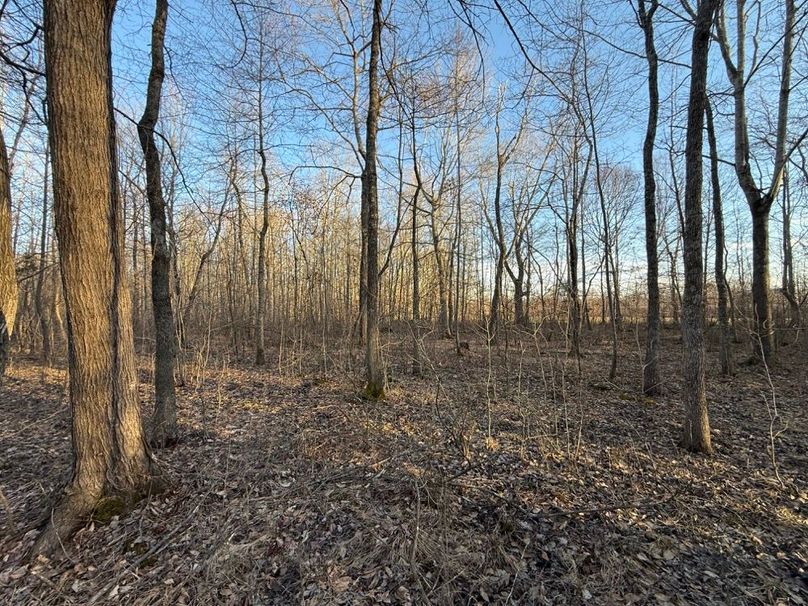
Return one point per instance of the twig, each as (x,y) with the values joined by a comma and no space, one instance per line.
(151,553)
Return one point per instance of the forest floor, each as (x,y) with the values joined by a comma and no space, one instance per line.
(512,477)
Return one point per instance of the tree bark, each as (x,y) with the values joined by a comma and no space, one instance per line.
(8,274)
(262,237)
(164,421)
(374,369)
(696,430)
(112,466)
(42,314)
(759,199)
(651,382)
(417,361)
(725,354)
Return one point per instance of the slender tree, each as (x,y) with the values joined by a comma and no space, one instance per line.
(42,314)
(260,318)
(696,430)
(164,421)
(722,288)
(374,368)
(650,377)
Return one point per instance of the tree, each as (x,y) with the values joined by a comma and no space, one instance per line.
(374,369)
(721,286)
(696,430)
(650,376)
(112,466)
(260,320)
(8,274)
(164,421)
(759,199)
(504,152)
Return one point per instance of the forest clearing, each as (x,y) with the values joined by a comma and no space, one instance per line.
(290,488)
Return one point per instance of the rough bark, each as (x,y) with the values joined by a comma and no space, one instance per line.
(8,274)
(696,429)
(112,466)
(164,421)
(651,382)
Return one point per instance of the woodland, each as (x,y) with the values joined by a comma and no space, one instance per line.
(403,302)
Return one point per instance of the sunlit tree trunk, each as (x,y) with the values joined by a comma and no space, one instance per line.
(112,467)
(8,274)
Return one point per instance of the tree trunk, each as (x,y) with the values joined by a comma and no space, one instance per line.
(493,317)
(789,286)
(759,199)
(417,362)
(725,354)
(42,314)
(260,317)
(164,421)
(444,324)
(763,339)
(374,369)
(112,466)
(8,274)
(651,382)
(696,430)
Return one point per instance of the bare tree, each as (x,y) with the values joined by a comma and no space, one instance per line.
(760,199)
(164,421)
(112,466)
(374,368)
(651,382)
(696,429)
(725,335)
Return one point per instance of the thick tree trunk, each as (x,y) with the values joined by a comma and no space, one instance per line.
(374,368)
(112,467)
(651,382)
(8,274)
(763,339)
(696,430)
(164,421)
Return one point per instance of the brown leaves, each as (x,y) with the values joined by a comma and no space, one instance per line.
(284,495)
